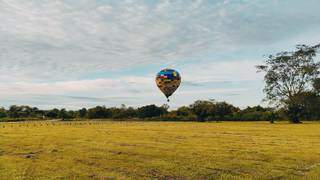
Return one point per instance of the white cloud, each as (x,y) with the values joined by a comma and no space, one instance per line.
(48,47)
(112,86)
(237,71)
(66,39)
(106,9)
(133,90)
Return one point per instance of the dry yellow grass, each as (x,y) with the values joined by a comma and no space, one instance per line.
(162,150)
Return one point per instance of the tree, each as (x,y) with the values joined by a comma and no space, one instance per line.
(223,109)
(131,112)
(123,112)
(71,114)
(289,74)
(82,112)
(63,114)
(307,106)
(202,109)
(316,86)
(257,113)
(151,111)
(14,111)
(20,111)
(99,112)
(54,113)
(3,112)
(184,111)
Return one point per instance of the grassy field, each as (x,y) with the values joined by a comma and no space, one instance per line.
(159,150)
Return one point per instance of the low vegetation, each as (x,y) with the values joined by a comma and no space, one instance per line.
(159,150)
(199,111)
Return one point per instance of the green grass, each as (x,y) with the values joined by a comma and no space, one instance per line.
(159,150)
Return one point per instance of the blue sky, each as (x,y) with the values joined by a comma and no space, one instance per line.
(83,53)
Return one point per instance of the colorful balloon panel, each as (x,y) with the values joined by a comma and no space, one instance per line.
(168,81)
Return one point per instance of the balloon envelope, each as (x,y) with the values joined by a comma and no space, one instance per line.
(168,81)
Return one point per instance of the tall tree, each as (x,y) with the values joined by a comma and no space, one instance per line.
(289,74)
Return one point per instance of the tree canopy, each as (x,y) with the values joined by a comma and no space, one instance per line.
(289,76)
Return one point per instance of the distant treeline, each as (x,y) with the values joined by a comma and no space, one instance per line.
(198,111)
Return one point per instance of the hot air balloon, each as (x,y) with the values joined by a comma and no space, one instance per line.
(168,81)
